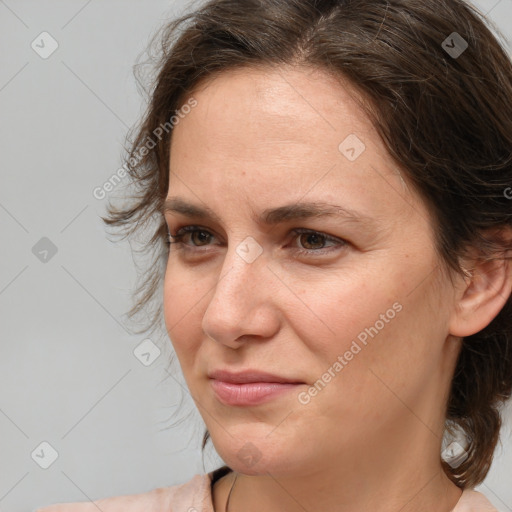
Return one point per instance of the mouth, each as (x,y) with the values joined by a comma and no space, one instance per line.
(250,387)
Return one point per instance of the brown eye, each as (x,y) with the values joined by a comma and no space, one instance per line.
(312,243)
(312,239)
(201,236)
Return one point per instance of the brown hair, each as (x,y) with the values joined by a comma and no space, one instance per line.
(446,119)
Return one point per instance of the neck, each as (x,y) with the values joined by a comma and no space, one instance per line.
(382,480)
(252,494)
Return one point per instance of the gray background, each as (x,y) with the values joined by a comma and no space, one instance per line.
(69,375)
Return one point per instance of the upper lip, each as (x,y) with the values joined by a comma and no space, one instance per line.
(249,376)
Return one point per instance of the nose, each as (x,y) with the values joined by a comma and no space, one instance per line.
(243,304)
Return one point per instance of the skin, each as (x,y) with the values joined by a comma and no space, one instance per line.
(371,439)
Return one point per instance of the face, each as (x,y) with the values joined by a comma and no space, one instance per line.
(349,305)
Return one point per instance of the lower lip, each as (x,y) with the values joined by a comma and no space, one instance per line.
(252,393)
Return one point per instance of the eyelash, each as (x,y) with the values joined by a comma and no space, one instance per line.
(181,233)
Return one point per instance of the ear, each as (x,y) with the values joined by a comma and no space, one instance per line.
(481,296)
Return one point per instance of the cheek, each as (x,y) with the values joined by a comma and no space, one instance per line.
(330,313)
(373,334)
(183,300)
(389,357)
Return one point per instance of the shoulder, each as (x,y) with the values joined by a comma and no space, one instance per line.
(177,498)
(474,501)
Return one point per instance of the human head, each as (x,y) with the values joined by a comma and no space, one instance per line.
(445,121)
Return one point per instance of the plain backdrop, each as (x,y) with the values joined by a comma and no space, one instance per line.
(83,415)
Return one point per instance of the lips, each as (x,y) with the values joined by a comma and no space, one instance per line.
(250,387)
(249,376)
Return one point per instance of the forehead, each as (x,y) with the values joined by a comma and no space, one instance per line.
(274,105)
(261,134)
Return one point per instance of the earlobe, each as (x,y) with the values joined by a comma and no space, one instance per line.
(482,297)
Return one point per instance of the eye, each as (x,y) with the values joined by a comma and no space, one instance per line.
(200,237)
(308,237)
(192,230)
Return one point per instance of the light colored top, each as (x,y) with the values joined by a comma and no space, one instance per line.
(196,496)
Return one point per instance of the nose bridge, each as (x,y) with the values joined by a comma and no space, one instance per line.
(237,292)
(242,269)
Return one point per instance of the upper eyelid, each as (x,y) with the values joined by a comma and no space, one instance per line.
(294,231)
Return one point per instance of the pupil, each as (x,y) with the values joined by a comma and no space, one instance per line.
(314,236)
(203,235)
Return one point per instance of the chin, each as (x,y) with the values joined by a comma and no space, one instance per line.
(253,455)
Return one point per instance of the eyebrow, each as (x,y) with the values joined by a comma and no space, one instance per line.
(272,216)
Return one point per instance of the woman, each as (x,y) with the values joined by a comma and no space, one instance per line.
(337,205)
